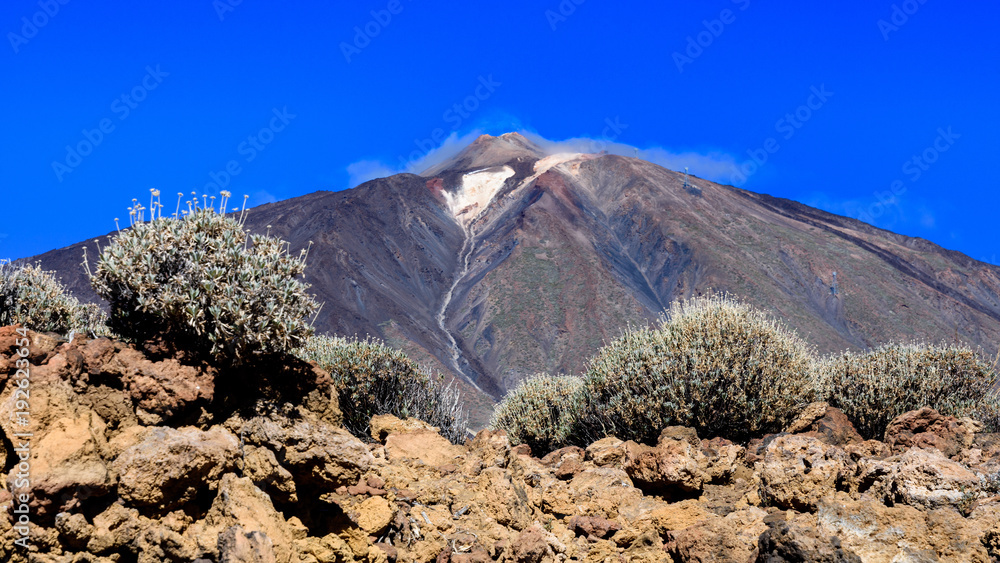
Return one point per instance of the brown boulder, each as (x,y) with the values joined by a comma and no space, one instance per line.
(825,423)
(238,546)
(8,348)
(927,428)
(320,394)
(319,456)
(114,529)
(729,539)
(984,455)
(603,491)
(879,533)
(503,499)
(565,462)
(606,451)
(870,449)
(535,545)
(721,459)
(67,448)
(593,527)
(921,478)
(382,425)
(112,405)
(261,466)
(425,445)
(43,346)
(785,542)
(159,541)
(170,466)
(327,549)
(671,468)
(97,354)
(651,512)
(74,529)
(240,503)
(798,471)
(164,389)
(373,515)
(489,448)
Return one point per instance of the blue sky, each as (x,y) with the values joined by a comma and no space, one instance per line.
(884,111)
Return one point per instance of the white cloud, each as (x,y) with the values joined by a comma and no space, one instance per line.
(415,162)
(260,197)
(716,166)
(451,146)
(363,170)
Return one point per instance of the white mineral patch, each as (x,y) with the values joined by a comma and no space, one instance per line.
(545,164)
(477,190)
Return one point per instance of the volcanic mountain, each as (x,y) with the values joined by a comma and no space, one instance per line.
(506,261)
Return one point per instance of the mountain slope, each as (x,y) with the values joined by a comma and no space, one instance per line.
(505,261)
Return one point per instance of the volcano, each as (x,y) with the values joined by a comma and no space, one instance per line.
(506,261)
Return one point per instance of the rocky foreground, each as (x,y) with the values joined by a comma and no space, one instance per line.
(135,457)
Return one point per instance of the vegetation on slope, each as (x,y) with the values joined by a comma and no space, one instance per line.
(374,379)
(728,370)
(715,364)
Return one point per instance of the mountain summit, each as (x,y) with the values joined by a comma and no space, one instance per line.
(505,261)
(487,151)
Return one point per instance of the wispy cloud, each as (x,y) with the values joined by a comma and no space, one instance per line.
(260,197)
(364,170)
(451,146)
(361,171)
(716,166)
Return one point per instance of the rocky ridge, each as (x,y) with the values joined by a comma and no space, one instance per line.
(138,457)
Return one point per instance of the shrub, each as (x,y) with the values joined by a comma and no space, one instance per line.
(373,379)
(201,283)
(37,300)
(874,387)
(714,364)
(541,412)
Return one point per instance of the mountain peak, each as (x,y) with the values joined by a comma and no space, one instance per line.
(488,151)
(512,138)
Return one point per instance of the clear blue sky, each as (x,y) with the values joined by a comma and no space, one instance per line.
(294,100)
